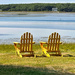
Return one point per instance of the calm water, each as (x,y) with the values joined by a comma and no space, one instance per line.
(40,25)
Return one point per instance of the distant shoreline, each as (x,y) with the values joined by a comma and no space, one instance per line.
(30,12)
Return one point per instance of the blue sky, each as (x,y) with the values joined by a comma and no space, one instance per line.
(35,1)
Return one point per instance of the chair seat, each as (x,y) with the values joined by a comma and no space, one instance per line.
(28,55)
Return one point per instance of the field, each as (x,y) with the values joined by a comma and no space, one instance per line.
(11,64)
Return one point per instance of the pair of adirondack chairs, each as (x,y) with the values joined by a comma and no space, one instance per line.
(24,48)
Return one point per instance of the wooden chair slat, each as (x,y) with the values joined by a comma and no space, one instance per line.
(51,46)
(26,39)
(31,42)
(54,41)
(21,44)
(24,42)
(48,43)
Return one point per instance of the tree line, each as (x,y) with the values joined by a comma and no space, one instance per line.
(65,7)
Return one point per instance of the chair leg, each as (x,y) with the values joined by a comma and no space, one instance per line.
(18,52)
(45,52)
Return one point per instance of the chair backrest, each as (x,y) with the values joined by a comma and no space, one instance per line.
(26,42)
(53,42)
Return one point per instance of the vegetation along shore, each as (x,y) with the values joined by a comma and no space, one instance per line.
(62,7)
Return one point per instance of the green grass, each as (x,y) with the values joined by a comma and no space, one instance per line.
(11,64)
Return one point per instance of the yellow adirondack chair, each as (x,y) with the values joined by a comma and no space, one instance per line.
(24,48)
(52,45)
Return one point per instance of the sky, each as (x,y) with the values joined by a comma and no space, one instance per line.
(34,1)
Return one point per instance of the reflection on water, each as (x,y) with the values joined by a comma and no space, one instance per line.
(40,25)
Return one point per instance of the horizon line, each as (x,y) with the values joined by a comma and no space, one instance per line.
(35,3)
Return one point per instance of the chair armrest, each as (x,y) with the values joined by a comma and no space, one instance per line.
(60,42)
(33,42)
(19,43)
(15,45)
(41,42)
(16,42)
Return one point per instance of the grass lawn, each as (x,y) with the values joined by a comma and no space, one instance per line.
(11,64)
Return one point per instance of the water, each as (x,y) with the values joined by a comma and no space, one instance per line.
(40,25)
